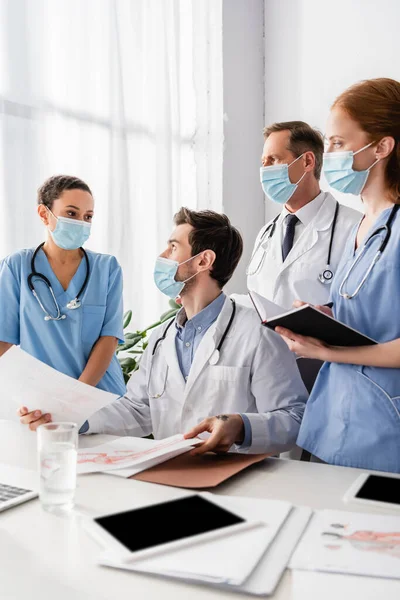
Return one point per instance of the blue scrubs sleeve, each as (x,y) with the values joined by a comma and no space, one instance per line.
(114,316)
(9,305)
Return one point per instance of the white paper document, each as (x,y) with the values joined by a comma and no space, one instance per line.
(26,381)
(132,455)
(223,561)
(265,308)
(353,543)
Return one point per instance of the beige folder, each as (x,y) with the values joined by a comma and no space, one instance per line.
(204,471)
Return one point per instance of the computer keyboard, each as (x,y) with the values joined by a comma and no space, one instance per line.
(12,495)
(10,492)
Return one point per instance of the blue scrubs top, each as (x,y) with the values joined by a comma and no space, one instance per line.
(65,345)
(352,417)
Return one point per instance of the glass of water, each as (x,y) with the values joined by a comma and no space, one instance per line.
(57,452)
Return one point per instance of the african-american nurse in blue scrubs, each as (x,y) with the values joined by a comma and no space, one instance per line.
(69,314)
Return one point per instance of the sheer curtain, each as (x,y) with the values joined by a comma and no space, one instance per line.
(127,95)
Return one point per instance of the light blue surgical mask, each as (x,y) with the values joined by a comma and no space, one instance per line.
(276,184)
(165,270)
(339,172)
(70,234)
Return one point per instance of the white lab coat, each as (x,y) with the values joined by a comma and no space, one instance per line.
(297,277)
(256,374)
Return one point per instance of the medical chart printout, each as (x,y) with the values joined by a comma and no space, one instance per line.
(354,543)
(137,454)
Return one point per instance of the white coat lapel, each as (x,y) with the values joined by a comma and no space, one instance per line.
(168,350)
(274,249)
(208,344)
(321,222)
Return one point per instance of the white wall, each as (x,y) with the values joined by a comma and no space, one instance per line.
(243,73)
(315,49)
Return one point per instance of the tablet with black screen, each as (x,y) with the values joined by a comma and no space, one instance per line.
(167,523)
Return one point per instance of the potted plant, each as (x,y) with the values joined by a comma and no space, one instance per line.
(130,353)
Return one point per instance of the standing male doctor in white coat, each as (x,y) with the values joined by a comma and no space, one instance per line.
(215,358)
(292,257)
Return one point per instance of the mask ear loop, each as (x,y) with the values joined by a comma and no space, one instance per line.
(364,148)
(292,163)
(191,277)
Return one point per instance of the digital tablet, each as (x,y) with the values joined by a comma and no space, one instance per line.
(141,532)
(378,490)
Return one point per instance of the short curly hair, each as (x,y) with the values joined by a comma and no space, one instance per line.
(53,187)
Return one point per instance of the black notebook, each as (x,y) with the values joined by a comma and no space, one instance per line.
(308,320)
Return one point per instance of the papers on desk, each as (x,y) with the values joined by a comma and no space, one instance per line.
(127,456)
(353,543)
(250,561)
(26,381)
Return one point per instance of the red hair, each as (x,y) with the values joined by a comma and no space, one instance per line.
(375,105)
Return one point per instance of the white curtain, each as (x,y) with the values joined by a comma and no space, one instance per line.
(127,95)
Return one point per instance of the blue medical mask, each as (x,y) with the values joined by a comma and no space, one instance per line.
(165,270)
(276,184)
(339,172)
(70,234)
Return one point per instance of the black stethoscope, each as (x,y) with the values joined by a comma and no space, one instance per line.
(72,304)
(388,228)
(324,277)
(213,360)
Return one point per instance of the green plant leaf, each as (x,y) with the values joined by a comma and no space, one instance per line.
(174,304)
(128,364)
(127,318)
(168,315)
(129,344)
(133,337)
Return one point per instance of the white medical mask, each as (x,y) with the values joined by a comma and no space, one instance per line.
(276,184)
(339,172)
(165,271)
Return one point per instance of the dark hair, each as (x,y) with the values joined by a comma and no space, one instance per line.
(375,105)
(53,187)
(213,231)
(303,138)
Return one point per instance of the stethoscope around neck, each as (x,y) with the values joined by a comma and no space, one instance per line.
(388,228)
(326,274)
(72,304)
(213,359)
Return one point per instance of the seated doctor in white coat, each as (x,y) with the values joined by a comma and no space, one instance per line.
(214,358)
(297,253)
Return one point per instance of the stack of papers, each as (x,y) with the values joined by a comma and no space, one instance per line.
(43,388)
(353,543)
(127,456)
(251,561)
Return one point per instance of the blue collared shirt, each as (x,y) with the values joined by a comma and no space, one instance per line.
(189,333)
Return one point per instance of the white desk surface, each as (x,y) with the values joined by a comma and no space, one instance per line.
(48,557)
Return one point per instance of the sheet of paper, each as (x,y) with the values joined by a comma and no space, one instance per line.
(354,543)
(265,308)
(221,560)
(148,464)
(128,453)
(26,381)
